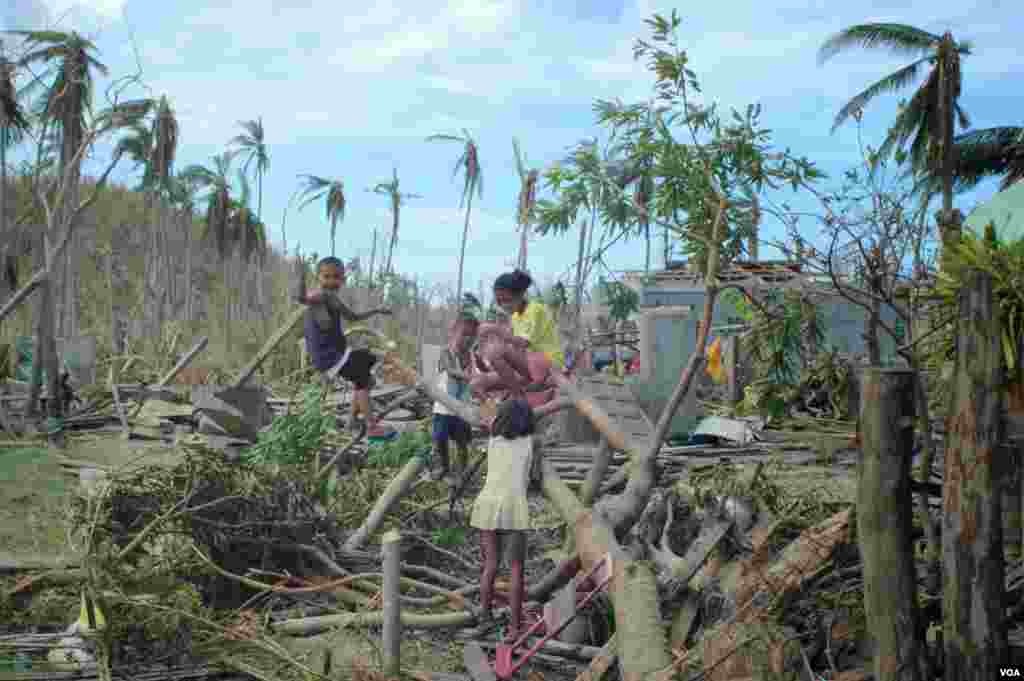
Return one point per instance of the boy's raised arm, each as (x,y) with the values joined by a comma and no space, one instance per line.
(350,316)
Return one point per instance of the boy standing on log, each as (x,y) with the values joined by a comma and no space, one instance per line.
(327,345)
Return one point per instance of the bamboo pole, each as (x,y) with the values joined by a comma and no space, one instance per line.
(290,323)
(884,513)
(391,550)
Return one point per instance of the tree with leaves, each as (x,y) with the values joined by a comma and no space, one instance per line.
(631,166)
(705,173)
(155,146)
(397,198)
(931,115)
(253,146)
(989,152)
(473,182)
(215,180)
(332,192)
(585,180)
(69,58)
(527,202)
(14,123)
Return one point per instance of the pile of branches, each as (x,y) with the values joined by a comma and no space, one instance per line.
(242,517)
(757,578)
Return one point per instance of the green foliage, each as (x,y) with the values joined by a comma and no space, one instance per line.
(557,296)
(399,451)
(621,300)
(1005,263)
(295,438)
(713,158)
(449,536)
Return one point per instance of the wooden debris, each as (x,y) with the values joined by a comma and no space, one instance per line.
(169,376)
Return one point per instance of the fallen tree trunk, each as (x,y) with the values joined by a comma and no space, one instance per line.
(399,486)
(643,639)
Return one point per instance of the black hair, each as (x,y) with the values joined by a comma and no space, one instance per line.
(331,260)
(516,281)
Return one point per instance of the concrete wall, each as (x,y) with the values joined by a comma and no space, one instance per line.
(431,355)
(668,335)
(667,338)
(843,321)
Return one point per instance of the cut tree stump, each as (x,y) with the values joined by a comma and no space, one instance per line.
(884,513)
(975,640)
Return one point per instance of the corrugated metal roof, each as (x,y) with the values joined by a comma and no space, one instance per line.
(1005,210)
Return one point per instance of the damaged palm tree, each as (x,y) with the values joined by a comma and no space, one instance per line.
(62,216)
(526,204)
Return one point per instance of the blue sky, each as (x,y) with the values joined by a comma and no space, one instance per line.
(348,90)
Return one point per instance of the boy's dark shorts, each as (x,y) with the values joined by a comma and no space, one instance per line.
(450,427)
(357,369)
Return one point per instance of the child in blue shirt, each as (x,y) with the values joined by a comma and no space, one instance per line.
(453,378)
(326,342)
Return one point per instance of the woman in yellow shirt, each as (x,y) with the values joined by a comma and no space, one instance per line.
(520,359)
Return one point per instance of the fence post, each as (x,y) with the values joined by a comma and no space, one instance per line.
(734,389)
(391,548)
(884,513)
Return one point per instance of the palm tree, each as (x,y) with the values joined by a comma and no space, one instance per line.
(14,123)
(216,181)
(989,152)
(246,228)
(252,144)
(932,112)
(65,104)
(473,181)
(527,201)
(183,192)
(390,189)
(333,193)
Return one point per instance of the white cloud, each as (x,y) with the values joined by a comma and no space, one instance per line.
(349,90)
(107,9)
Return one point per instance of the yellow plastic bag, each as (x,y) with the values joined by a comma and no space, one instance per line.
(715,369)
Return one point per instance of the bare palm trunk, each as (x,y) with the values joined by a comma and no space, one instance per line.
(579,277)
(373,260)
(647,254)
(43,307)
(5,250)
(394,240)
(259,196)
(462,252)
(665,248)
(947,117)
(188,268)
(523,238)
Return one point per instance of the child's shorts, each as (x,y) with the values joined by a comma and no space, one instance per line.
(450,427)
(358,367)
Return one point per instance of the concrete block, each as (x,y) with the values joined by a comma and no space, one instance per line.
(237,412)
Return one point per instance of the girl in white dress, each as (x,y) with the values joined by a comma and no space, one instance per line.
(501,512)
